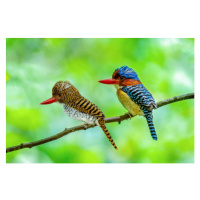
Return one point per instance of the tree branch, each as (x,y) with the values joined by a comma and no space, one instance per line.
(83,127)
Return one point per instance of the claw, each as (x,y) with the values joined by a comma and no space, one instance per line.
(129,114)
(85,126)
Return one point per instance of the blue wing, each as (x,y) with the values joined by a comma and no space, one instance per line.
(141,96)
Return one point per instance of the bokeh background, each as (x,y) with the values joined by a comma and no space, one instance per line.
(165,67)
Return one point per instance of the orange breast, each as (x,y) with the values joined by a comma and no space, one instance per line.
(127,102)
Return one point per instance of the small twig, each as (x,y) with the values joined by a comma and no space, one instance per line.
(83,127)
(175,99)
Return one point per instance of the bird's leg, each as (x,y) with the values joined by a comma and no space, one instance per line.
(129,114)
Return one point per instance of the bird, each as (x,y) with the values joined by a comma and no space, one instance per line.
(133,95)
(78,107)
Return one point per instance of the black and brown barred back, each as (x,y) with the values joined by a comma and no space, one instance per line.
(71,96)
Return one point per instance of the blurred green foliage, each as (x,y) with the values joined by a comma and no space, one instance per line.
(165,67)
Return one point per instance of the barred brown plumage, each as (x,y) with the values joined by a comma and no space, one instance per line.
(78,107)
(103,127)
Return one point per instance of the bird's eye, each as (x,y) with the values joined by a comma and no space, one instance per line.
(59,95)
(121,77)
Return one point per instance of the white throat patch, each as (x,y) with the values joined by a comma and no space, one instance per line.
(117,86)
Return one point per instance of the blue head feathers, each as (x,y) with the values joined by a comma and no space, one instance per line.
(128,73)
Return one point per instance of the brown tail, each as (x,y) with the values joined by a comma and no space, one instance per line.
(103,127)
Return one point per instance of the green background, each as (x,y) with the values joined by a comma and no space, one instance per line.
(164,66)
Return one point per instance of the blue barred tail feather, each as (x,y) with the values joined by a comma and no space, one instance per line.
(149,118)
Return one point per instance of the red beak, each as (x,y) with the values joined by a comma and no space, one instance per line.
(50,100)
(109,81)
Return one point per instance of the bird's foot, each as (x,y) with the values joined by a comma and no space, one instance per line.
(85,126)
(129,114)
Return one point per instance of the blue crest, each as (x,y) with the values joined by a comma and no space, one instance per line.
(128,73)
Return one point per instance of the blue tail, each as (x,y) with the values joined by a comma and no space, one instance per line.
(149,117)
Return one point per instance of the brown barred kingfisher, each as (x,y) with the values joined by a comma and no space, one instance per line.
(133,95)
(78,107)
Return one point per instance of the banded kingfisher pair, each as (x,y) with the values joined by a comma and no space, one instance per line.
(130,91)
